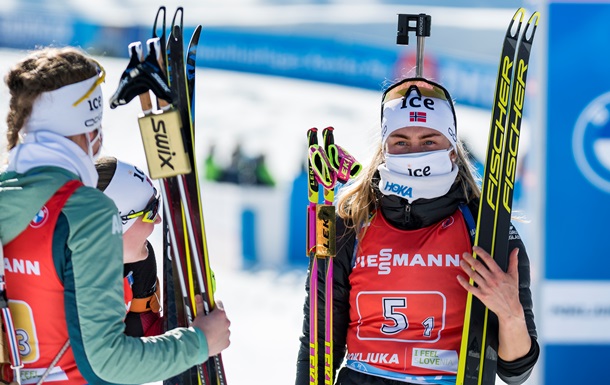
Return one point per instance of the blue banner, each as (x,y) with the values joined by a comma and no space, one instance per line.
(575,307)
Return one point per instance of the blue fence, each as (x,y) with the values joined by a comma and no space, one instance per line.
(321,59)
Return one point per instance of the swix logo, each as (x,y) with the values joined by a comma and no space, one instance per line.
(162,144)
(40,218)
(404,191)
(385,260)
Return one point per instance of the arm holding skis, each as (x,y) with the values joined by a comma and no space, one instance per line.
(95,306)
(507,294)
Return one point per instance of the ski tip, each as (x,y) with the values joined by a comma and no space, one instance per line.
(160,11)
(517,18)
(519,14)
(536,16)
(533,21)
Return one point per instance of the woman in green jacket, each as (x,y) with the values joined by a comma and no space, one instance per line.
(62,239)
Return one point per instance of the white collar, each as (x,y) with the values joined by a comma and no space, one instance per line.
(46,148)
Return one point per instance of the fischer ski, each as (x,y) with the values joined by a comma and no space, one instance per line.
(168,135)
(479,348)
(327,165)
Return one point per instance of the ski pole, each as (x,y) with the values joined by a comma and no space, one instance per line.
(321,245)
(8,325)
(329,197)
(421,29)
(313,195)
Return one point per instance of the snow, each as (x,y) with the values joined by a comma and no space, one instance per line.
(267,115)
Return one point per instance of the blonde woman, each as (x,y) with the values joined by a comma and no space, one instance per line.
(401,273)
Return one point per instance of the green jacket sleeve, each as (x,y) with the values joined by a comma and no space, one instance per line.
(95,308)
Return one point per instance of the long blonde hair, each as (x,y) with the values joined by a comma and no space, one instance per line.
(44,70)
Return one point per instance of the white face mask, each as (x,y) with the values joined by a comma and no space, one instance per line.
(413,176)
(91,143)
(420,164)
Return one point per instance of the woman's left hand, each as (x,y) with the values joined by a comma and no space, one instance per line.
(498,290)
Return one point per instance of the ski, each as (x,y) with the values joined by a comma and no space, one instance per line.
(479,347)
(191,66)
(198,266)
(168,136)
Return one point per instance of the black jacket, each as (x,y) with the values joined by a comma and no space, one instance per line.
(422,213)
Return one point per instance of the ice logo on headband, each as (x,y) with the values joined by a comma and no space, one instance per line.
(591,142)
(417,109)
(95,103)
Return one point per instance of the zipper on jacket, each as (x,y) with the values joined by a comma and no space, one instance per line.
(407,213)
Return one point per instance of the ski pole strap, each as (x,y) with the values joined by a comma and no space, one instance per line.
(140,77)
(313,185)
(469,219)
(323,171)
(344,164)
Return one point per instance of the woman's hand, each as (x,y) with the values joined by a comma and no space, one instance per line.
(499,292)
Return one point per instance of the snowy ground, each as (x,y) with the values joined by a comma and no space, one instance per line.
(268,115)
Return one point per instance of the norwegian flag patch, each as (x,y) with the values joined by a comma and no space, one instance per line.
(415,116)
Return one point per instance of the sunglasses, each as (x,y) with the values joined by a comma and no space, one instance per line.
(423,86)
(149,214)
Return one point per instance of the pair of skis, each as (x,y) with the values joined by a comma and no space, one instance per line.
(327,165)
(479,348)
(168,135)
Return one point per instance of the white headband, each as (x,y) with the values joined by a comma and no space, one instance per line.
(418,111)
(130,189)
(62,111)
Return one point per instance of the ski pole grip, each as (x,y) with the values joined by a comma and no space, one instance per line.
(326,239)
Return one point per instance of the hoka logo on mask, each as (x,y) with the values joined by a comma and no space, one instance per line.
(399,189)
